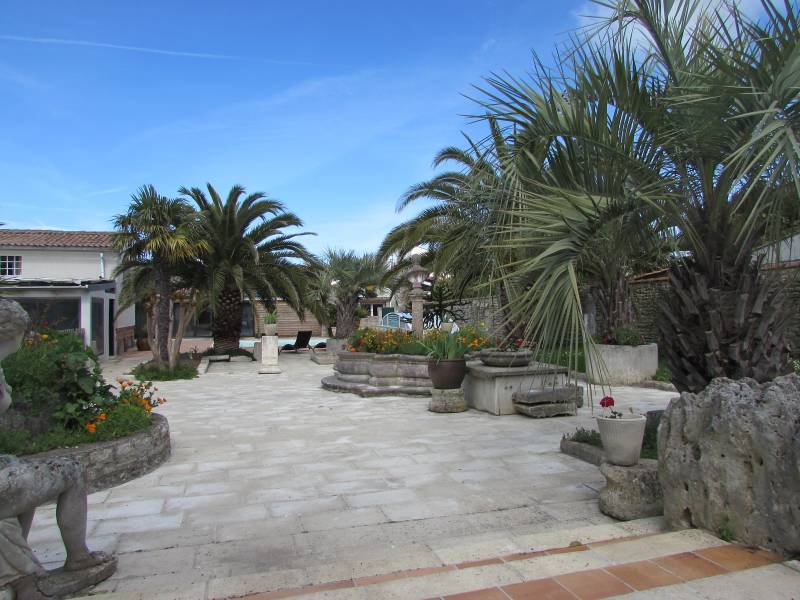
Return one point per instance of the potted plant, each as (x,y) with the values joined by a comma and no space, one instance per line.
(507,355)
(621,434)
(271,323)
(446,364)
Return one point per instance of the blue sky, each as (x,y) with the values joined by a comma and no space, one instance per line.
(333,108)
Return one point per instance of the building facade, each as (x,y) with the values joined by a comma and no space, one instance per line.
(64,279)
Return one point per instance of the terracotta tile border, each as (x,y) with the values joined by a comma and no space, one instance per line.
(662,571)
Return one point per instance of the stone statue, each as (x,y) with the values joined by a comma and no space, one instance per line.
(28,483)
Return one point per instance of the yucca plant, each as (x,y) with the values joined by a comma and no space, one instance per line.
(445,346)
(685,120)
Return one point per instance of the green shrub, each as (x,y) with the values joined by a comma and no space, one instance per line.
(564,358)
(271,318)
(586,436)
(121,420)
(663,373)
(149,371)
(54,375)
(445,346)
(624,336)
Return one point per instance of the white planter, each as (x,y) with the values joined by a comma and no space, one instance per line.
(622,438)
(271,329)
(624,365)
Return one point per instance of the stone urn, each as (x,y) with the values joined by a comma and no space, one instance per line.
(271,329)
(622,438)
(447,374)
(492,357)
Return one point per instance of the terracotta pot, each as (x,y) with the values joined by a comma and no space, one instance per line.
(501,358)
(271,329)
(622,438)
(447,374)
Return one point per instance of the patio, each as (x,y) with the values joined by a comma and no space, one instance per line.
(272,475)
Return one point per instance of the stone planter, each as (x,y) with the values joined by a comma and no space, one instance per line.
(271,329)
(623,365)
(499,358)
(368,374)
(447,374)
(116,461)
(353,366)
(447,401)
(622,438)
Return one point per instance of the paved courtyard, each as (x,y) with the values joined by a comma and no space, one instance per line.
(270,474)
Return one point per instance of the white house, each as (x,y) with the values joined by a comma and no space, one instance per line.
(64,279)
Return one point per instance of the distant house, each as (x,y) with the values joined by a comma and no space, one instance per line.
(64,280)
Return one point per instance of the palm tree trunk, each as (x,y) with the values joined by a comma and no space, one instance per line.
(724,323)
(227,326)
(162,313)
(346,317)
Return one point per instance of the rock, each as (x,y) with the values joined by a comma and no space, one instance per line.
(729,461)
(631,492)
(447,401)
(59,583)
(540,411)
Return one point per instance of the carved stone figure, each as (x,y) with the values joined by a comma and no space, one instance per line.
(28,483)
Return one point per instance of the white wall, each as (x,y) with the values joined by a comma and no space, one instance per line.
(63,263)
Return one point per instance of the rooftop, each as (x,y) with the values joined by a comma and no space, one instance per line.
(48,238)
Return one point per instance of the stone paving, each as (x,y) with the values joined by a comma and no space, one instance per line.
(272,473)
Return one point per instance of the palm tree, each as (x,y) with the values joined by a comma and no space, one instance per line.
(352,277)
(671,112)
(156,234)
(249,255)
(456,231)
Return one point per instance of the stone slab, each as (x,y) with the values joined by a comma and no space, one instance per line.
(569,393)
(543,411)
(328,357)
(335,384)
(585,452)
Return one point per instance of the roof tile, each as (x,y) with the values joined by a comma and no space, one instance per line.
(46,238)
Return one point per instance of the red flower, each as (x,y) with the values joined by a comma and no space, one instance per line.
(607,402)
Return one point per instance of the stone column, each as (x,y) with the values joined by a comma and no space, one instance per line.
(417,303)
(269,355)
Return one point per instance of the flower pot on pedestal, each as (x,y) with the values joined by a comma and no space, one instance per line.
(447,374)
(622,438)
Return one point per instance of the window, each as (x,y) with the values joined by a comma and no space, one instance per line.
(10,266)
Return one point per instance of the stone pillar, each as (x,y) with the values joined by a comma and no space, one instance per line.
(417,303)
(269,355)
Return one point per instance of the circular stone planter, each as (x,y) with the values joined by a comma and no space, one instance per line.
(353,366)
(270,329)
(499,358)
(116,461)
(622,438)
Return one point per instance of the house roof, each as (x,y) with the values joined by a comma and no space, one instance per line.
(46,238)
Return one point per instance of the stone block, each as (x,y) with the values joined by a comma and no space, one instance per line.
(447,401)
(623,365)
(541,411)
(631,492)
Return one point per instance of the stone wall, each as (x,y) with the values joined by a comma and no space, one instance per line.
(481,311)
(114,462)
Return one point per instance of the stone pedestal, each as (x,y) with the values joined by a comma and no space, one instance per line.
(269,355)
(447,401)
(549,402)
(491,389)
(631,492)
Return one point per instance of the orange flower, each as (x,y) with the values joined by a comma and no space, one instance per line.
(91,427)
(102,417)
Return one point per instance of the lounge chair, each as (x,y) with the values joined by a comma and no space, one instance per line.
(300,343)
